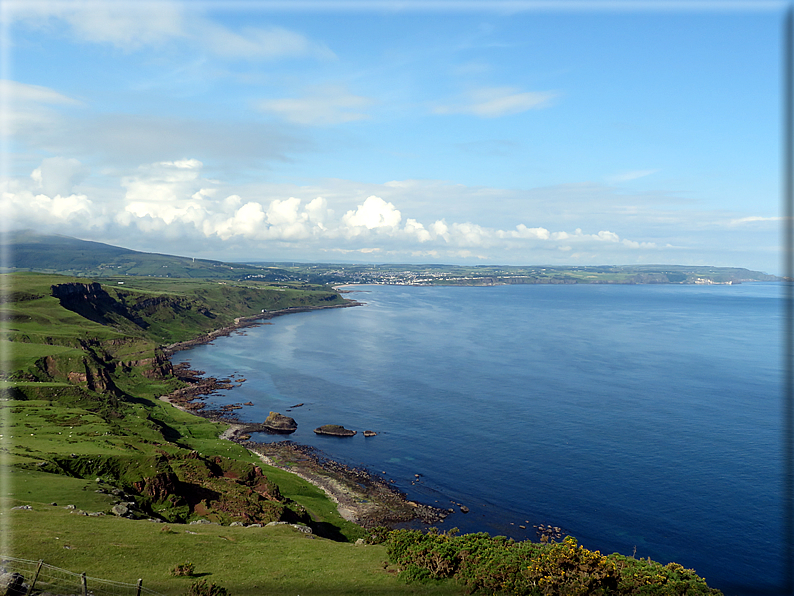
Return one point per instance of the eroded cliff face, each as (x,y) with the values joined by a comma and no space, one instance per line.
(91,301)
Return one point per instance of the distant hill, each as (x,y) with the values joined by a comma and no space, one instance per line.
(31,251)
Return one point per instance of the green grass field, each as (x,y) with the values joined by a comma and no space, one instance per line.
(247,561)
(52,417)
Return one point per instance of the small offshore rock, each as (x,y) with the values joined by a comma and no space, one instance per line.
(334,430)
(370,433)
(279,423)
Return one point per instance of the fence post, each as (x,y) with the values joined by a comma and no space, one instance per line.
(85,587)
(35,577)
(138,592)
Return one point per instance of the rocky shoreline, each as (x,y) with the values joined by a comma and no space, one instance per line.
(362,496)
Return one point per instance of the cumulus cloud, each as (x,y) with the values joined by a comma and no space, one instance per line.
(326,105)
(59,175)
(523,231)
(174,200)
(417,230)
(373,213)
(168,190)
(23,207)
(493,102)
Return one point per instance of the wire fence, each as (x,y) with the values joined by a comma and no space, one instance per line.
(21,577)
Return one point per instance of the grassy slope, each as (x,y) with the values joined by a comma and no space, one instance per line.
(71,256)
(60,418)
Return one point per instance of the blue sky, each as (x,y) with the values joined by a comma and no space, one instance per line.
(584,133)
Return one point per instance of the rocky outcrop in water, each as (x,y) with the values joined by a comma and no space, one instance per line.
(334,430)
(279,423)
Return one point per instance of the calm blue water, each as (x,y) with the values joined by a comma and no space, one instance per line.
(642,417)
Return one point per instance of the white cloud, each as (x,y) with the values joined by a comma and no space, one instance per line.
(498,101)
(318,212)
(523,231)
(169,191)
(326,105)
(608,236)
(171,201)
(24,208)
(373,213)
(633,244)
(754,218)
(256,43)
(131,26)
(30,109)
(469,234)
(22,94)
(414,228)
(126,25)
(59,175)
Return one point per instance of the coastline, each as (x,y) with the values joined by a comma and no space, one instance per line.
(362,497)
(252,321)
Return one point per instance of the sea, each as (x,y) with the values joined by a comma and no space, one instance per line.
(640,419)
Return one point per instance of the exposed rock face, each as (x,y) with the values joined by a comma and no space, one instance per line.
(280,424)
(334,430)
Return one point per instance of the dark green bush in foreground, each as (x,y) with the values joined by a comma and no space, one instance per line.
(500,565)
(202,588)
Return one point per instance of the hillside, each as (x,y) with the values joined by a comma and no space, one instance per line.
(31,251)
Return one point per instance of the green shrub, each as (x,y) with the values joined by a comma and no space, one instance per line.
(487,564)
(183,569)
(202,588)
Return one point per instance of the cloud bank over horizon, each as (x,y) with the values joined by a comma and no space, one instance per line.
(171,201)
